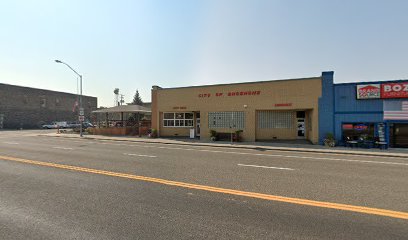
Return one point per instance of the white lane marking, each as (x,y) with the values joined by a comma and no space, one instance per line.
(139,155)
(337,159)
(306,157)
(63,148)
(197,148)
(256,166)
(291,156)
(12,143)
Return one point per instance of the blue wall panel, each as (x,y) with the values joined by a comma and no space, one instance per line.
(346,100)
(347,108)
(326,106)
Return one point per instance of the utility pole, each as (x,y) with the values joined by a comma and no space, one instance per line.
(122,99)
(116,92)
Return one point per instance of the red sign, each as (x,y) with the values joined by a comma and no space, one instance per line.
(394,90)
(204,95)
(360,127)
(347,126)
(283,104)
(369,91)
(244,93)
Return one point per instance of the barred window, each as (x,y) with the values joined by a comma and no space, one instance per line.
(234,120)
(275,119)
(178,119)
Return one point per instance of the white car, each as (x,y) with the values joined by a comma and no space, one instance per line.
(54,125)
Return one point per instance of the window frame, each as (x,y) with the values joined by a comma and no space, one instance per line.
(271,119)
(181,122)
(224,119)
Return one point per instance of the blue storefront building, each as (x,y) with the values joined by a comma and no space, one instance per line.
(364,112)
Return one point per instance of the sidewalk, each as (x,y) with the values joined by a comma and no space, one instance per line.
(395,152)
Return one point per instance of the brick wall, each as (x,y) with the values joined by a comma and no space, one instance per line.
(24,107)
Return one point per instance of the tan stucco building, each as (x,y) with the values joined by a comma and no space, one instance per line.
(265,110)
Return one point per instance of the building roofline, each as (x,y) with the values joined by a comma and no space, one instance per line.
(42,89)
(373,82)
(239,83)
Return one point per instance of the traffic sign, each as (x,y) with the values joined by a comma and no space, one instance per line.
(81,118)
(81,112)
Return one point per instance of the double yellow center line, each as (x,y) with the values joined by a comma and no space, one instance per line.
(337,206)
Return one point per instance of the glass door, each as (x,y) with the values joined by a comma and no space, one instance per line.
(300,124)
(198,124)
(301,128)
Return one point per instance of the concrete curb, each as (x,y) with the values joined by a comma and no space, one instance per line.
(254,147)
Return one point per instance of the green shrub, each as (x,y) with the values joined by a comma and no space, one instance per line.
(329,140)
(213,133)
(330,136)
(153,133)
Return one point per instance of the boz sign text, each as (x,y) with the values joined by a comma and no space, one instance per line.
(394,90)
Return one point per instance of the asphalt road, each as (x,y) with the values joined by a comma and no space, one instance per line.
(54,188)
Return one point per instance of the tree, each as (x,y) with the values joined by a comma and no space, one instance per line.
(137,100)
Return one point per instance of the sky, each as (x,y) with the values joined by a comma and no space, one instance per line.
(133,45)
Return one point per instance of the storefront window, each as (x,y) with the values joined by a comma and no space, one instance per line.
(178,119)
(189,115)
(235,120)
(358,131)
(275,119)
(168,115)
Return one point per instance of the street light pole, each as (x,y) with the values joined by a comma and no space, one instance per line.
(80,96)
(80,106)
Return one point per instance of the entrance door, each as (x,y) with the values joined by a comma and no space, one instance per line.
(399,135)
(198,126)
(300,124)
(301,128)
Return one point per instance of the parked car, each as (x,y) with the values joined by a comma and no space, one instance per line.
(49,126)
(73,125)
(85,125)
(55,125)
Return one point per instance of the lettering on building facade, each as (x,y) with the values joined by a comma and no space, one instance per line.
(382,91)
(283,104)
(230,94)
